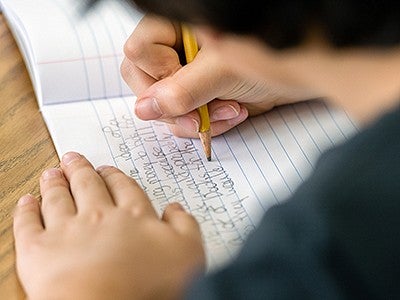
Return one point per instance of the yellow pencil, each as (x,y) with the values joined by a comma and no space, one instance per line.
(191,49)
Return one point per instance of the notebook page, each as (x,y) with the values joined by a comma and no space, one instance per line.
(254,166)
(71,58)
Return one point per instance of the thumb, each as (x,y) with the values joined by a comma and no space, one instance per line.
(183,222)
(193,85)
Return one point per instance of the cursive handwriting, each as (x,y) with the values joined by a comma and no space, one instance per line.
(171,169)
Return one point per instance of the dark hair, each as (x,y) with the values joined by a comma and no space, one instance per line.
(283,23)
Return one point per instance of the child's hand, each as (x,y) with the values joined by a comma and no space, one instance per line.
(96,235)
(169,92)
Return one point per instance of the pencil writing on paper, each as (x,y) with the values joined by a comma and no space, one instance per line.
(191,48)
(255,165)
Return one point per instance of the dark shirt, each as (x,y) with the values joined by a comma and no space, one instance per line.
(337,237)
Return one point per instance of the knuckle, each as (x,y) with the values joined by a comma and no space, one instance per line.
(118,181)
(94,217)
(167,65)
(138,210)
(51,201)
(185,104)
(126,69)
(133,49)
(32,246)
(83,179)
(161,72)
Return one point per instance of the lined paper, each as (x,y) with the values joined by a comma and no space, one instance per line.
(255,165)
(74,66)
(71,58)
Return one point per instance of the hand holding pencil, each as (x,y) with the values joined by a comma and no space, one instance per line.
(178,96)
(191,49)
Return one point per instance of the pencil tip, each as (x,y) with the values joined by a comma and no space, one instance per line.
(205,138)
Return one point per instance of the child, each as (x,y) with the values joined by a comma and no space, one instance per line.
(96,234)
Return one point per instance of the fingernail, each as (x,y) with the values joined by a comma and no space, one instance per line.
(148,109)
(225,112)
(103,168)
(51,173)
(188,123)
(69,157)
(243,114)
(26,199)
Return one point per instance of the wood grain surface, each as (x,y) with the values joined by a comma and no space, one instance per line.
(26,150)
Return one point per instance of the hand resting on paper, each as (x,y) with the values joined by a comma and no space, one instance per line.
(104,234)
(169,92)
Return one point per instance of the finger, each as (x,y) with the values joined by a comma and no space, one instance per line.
(27,221)
(187,126)
(181,221)
(137,80)
(57,202)
(125,191)
(87,187)
(193,85)
(220,110)
(151,47)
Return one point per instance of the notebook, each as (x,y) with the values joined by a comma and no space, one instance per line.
(74,61)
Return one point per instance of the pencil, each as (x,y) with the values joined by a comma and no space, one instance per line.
(191,49)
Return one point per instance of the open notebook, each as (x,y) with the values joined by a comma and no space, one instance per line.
(74,67)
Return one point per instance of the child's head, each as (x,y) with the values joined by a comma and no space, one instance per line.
(284,23)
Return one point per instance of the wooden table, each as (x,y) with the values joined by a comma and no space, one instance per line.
(26,150)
